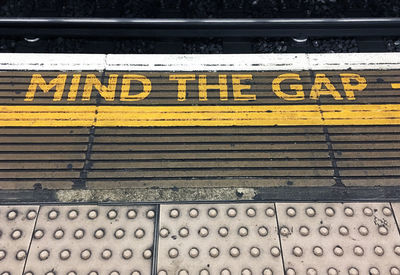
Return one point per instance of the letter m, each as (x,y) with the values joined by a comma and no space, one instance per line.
(37,80)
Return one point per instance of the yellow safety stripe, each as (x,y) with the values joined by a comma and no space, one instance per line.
(168,116)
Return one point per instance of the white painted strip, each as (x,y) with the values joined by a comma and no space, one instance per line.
(206,62)
(354,61)
(255,62)
(53,62)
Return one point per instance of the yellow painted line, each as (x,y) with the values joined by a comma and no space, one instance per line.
(395,85)
(153,116)
(50,116)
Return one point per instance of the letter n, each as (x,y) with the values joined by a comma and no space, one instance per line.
(107,92)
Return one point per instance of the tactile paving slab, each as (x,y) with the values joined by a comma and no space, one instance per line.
(336,238)
(16,227)
(92,240)
(222,239)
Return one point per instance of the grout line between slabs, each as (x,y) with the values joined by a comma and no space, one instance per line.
(395,218)
(154,265)
(279,236)
(30,242)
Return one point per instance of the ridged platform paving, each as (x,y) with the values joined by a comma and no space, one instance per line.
(208,238)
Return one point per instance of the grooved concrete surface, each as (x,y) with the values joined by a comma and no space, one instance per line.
(207,238)
(366,153)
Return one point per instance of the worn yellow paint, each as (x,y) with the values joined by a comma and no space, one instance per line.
(73,90)
(126,85)
(182,78)
(317,90)
(222,86)
(149,116)
(38,80)
(51,116)
(321,86)
(276,87)
(396,85)
(349,88)
(107,92)
(237,87)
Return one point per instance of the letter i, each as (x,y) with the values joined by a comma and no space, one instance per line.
(73,90)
